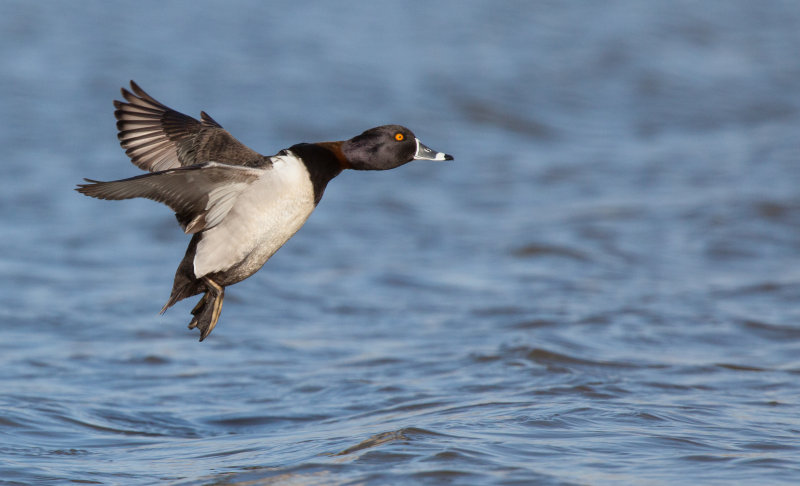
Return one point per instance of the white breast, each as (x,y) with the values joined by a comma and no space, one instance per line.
(263,217)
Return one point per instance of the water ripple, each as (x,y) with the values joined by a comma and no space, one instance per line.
(601,289)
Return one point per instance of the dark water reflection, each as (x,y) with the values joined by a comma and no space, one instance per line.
(601,289)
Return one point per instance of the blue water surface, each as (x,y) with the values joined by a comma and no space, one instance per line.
(601,289)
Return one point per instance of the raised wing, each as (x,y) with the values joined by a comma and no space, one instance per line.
(157,137)
(201,195)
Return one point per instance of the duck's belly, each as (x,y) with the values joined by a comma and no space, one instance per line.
(263,218)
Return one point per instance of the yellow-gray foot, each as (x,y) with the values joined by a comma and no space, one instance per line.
(206,312)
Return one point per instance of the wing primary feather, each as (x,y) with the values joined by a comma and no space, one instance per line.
(144,122)
(201,195)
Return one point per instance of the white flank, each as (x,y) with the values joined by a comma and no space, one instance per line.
(259,221)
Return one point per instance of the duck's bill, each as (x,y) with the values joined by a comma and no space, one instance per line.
(427,153)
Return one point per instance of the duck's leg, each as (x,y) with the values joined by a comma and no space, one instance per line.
(206,312)
(199,306)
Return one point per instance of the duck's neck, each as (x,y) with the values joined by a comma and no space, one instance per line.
(323,160)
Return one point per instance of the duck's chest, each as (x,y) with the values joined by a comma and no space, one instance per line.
(263,218)
(275,207)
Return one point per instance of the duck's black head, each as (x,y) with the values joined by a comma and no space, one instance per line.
(387,147)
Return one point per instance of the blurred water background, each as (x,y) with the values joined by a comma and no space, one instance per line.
(602,288)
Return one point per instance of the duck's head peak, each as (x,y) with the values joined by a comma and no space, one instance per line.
(386,147)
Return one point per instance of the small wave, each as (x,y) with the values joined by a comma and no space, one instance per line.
(767,287)
(547,357)
(249,422)
(535,324)
(149,359)
(141,425)
(543,250)
(772,331)
(487,112)
(777,211)
(404,434)
(739,367)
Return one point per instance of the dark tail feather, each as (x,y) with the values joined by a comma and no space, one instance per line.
(185,284)
(178,294)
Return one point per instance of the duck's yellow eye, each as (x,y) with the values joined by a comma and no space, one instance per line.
(399,137)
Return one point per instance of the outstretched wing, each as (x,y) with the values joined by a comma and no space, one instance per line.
(157,137)
(201,195)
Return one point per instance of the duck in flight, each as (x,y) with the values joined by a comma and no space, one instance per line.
(239,206)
